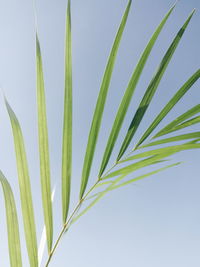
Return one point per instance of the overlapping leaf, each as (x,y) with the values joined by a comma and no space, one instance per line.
(180,120)
(146,100)
(181,92)
(121,113)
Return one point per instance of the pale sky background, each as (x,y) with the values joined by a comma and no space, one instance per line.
(154,223)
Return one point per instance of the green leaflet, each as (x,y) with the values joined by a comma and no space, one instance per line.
(114,185)
(181,92)
(25,190)
(12,224)
(154,157)
(102,194)
(67,120)
(169,128)
(121,113)
(172,149)
(173,139)
(185,124)
(146,100)
(44,149)
(134,179)
(145,175)
(98,113)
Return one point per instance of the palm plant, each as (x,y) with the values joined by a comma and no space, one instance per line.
(153,148)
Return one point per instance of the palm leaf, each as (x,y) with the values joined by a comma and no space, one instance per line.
(99,197)
(44,149)
(146,100)
(121,113)
(98,113)
(12,224)
(181,92)
(145,175)
(188,114)
(173,139)
(132,180)
(43,238)
(173,149)
(25,189)
(154,157)
(67,121)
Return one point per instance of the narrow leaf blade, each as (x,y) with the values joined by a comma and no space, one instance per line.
(173,139)
(188,114)
(12,224)
(25,189)
(98,113)
(121,113)
(146,100)
(67,120)
(44,149)
(181,92)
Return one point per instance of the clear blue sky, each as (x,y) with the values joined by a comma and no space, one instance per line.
(153,223)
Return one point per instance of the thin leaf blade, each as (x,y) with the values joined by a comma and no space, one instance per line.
(122,110)
(44,148)
(67,120)
(12,224)
(173,101)
(25,189)
(173,139)
(180,119)
(98,113)
(146,100)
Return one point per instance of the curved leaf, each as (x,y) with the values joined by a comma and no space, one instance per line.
(25,189)
(44,149)
(168,128)
(98,113)
(121,113)
(12,224)
(181,92)
(146,100)
(67,120)
(173,139)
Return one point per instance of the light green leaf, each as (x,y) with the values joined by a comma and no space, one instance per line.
(173,139)
(158,151)
(121,113)
(181,92)
(98,113)
(188,114)
(12,224)
(146,100)
(136,178)
(154,159)
(145,175)
(67,120)
(44,149)
(99,197)
(25,190)
(185,124)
